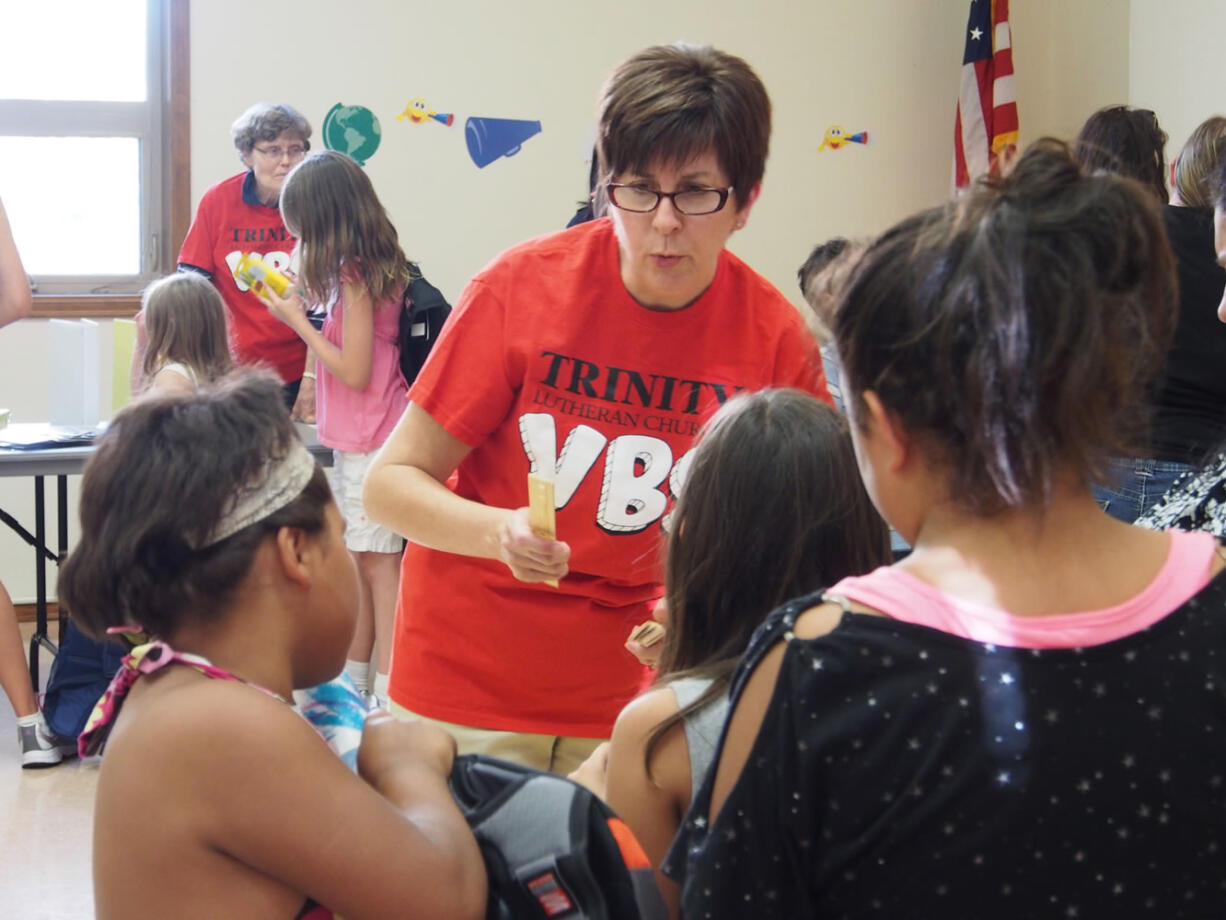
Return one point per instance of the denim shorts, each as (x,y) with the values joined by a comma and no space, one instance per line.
(1135,486)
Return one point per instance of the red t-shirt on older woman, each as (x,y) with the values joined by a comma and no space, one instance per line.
(229,222)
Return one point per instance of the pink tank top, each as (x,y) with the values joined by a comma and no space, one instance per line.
(358,421)
(902,596)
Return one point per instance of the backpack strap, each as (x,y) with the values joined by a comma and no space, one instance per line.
(420,295)
(551,848)
(532,857)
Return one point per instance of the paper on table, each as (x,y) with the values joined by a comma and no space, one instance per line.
(38,435)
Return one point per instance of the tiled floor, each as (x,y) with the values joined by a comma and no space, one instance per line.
(46,820)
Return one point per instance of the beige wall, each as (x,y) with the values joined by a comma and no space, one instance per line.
(890,67)
(1072,58)
(1171,67)
(880,65)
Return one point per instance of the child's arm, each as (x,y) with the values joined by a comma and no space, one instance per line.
(15,301)
(652,804)
(304,404)
(350,364)
(593,773)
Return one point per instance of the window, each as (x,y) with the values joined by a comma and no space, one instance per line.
(93,137)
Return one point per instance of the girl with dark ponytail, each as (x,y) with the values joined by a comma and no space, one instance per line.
(1024,717)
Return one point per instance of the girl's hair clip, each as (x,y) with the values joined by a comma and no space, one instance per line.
(120,630)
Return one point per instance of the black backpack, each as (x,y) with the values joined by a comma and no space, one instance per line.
(551,847)
(422,314)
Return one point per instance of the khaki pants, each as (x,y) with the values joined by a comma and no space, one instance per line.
(557,754)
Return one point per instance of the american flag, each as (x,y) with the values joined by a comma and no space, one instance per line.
(986,125)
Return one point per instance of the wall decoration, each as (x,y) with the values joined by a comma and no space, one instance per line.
(836,137)
(491,138)
(354,130)
(417,112)
(123,344)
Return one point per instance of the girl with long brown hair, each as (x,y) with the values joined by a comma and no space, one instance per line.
(185,326)
(771,507)
(351,262)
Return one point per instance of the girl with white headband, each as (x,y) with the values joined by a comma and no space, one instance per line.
(207,524)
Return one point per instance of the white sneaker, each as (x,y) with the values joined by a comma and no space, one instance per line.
(40,748)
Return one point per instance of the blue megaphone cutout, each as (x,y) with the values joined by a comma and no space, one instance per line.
(491,138)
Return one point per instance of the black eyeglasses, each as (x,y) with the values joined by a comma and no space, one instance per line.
(693,202)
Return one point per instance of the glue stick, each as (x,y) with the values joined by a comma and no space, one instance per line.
(252,271)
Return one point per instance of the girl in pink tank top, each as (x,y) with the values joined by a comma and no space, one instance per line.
(351,261)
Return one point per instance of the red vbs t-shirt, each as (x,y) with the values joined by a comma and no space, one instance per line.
(548,365)
(225,227)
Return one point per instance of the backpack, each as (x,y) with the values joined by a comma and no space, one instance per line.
(423,311)
(80,674)
(551,847)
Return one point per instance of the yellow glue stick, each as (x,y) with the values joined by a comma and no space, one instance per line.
(252,271)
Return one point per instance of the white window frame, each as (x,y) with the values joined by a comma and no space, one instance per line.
(149,122)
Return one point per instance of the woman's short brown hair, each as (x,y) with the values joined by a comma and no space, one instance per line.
(1016,332)
(671,103)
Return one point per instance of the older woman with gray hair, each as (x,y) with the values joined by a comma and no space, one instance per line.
(240,215)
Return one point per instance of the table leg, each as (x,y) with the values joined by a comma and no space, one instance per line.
(62,505)
(40,578)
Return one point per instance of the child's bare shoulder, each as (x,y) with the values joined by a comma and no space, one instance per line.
(670,760)
(819,620)
(170,380)
(642,714)
(192,727)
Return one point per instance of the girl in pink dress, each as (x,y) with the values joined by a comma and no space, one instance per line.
(352,263)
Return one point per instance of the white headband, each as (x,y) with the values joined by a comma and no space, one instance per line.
(283,481)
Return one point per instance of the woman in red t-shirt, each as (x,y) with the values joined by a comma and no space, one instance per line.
(592,357)
(241,215)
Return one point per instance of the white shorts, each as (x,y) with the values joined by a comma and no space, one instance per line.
(362,535)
